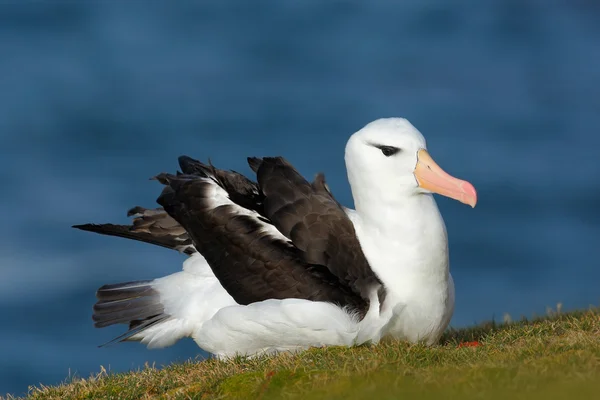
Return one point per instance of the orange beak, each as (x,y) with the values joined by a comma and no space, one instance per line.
(431,177)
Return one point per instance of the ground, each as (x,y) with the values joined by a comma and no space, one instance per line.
(554,357)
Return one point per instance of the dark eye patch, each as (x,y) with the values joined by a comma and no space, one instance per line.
(388,151)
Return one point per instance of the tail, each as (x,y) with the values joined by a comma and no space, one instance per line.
(162,311)
(134,303)
(149,226)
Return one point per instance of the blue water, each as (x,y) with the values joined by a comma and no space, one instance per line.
(96,97)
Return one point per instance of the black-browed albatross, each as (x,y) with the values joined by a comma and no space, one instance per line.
(279,265)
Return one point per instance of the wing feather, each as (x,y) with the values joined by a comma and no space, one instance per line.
(315,223)
(252,260)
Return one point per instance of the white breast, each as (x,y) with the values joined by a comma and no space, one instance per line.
(409,253)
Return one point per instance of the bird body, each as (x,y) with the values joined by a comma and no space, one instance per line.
(279,265)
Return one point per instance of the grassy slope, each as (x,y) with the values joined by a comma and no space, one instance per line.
(551,358)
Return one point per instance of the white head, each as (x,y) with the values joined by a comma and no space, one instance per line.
(388,159)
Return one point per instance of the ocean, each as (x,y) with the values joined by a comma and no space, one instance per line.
(98,96)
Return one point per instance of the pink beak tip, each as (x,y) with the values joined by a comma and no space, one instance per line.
(470,194)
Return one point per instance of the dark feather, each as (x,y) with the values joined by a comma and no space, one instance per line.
(250,264)
(137,326)
(254,163)
(315,223)
(126,302)
(150,226)
(134,303)
(240,189)
(155,226)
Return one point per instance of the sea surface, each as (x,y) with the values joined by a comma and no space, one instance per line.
(98,96)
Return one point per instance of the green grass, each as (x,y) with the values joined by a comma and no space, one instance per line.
(551,358)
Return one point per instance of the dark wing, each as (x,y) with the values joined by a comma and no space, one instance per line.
(240,189)
(251,259)
(150,226)
(315,223)
(254,163)
(155,226)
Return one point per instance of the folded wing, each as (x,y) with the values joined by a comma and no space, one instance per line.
(251,258)
(315,223)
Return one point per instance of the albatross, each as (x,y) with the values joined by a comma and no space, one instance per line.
(278,264)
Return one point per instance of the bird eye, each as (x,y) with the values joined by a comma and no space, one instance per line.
(389,150)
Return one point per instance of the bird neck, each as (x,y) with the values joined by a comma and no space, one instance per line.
(399,215)
(404,239)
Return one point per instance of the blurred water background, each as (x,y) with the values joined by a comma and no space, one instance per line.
(97,96)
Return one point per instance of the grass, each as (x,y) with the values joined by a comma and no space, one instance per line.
(554,357)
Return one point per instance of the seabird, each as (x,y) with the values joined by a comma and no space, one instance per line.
(279,265)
